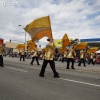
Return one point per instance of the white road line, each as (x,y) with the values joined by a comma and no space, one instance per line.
(16,69)
(80,82)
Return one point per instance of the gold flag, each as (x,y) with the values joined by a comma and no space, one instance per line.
(21,46)
(93,49)
(31,45)
(81,45)
(39,28)
(60,50)
(65,41)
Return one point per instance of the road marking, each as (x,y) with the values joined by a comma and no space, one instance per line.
(16,69)
(79,82)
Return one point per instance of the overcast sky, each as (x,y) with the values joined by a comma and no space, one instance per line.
(78,18)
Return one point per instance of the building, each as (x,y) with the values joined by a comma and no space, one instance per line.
(92,41)
(11,47)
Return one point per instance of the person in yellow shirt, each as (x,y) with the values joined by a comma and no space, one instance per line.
(70,57)
(49,58)
(2,48)
(35,56)
(22,55)
(91,55)
(82,57)
(64,58)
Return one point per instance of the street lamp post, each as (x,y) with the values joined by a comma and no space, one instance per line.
(25,37)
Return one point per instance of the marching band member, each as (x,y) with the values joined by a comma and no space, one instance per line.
(35,56)
(22,55)
(64,56)
(2,48)
(91,54)
(70,57)
(49,58)
(82,59)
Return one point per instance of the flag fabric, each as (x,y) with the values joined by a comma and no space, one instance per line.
(81,45)
(39,28)
(31,45)
(93,49)
(20,47)
(31,48)
(65,41)
(60,50)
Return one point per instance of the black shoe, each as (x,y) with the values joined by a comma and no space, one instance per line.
(2,66)
(84,65)
(38,64)
(78,65)
(41,75)
(56,76)
(31,64)
(67,68)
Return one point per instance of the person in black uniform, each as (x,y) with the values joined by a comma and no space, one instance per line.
(70,57)
(49,58)
(35,56)
(82,57)
(22,55)
(2,48)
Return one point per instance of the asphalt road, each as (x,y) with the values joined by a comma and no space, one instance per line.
(20,81)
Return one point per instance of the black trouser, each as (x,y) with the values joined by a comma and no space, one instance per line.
(22,56)
(64,59)
(91,60)
(1,60)
(68,62)
(52,65)
(36,60)
(81,60)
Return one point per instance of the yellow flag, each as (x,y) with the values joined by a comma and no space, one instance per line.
(81,45)
(31,45)
(39,28)
(60,50)
(21,46)
(65,41)
(93,49)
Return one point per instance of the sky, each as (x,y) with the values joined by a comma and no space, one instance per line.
(78,18)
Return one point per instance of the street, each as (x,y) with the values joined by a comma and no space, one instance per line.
(20,81)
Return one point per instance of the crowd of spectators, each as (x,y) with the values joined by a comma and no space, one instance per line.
(57,56)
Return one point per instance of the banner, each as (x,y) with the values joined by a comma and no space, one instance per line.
(39,28)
